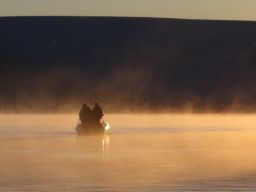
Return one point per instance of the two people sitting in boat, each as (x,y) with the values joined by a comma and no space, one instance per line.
(89,116)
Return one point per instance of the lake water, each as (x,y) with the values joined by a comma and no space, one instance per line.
(140,153)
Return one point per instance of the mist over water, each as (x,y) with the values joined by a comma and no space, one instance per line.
(131,66)
(141,152)
(54,64)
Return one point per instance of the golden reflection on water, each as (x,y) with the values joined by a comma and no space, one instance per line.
(195,152)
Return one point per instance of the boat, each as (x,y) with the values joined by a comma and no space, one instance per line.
(92,128)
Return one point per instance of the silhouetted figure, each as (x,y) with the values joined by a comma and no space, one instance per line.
(90,119)
(85,114)
(97,111)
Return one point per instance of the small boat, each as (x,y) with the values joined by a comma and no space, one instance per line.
(92,128)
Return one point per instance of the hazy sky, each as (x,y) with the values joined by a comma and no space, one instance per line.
(192,9)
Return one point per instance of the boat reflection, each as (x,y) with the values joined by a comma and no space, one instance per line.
(97,143)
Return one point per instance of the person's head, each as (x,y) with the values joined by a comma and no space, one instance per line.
(85,105)
(96,104)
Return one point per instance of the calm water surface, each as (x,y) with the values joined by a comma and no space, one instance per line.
(140,153)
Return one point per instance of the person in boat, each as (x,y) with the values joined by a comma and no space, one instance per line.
(85,114)
(90,119)
(97,111)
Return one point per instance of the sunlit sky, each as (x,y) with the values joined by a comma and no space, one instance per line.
(189,9)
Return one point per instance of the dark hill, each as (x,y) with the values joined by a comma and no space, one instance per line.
(56,63)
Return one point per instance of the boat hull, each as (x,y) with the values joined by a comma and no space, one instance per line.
(90,129)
